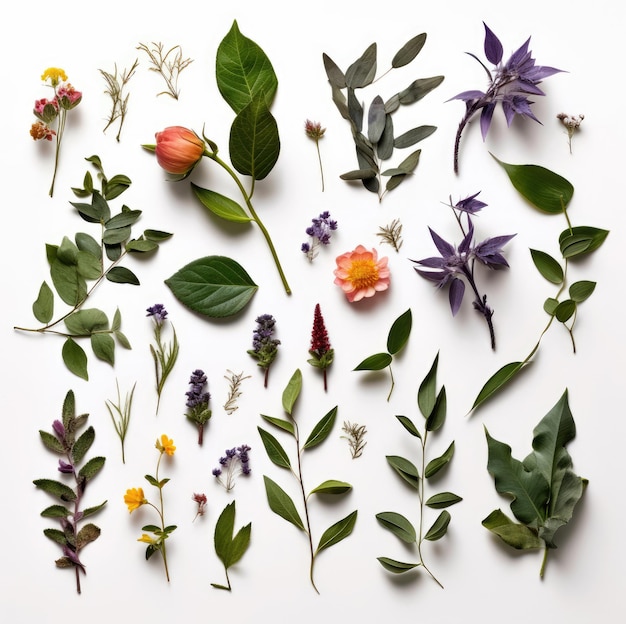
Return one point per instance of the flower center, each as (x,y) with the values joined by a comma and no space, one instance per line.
(363,273)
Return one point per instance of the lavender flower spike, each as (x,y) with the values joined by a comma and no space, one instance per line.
(509,85)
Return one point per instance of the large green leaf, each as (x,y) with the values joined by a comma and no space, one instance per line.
(230,549)
(544,189)
(281,504)
(580,240)
(85,322)
(337,532)
(427,392)
(254,140)
(220,205)
(215,286)
(243,70)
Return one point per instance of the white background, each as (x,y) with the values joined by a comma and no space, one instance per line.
(482,577)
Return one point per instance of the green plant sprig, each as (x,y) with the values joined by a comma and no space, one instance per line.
(397,338)
(376,144)
(230,548)
(279,501)
(543,487)
(119,100)
(168,64)
(121,418)
(433,405)
(550,193)
(71,448)
(74,263)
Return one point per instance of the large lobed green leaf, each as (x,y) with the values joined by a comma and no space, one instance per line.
(243,70)
(215,286)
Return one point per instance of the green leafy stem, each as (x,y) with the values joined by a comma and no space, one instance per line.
(550,193)
(433,406)
(279,501)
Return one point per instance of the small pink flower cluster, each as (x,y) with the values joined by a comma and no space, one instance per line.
(66,97)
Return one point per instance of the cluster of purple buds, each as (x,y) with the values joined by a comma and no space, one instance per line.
(158,313)
(198,402)
(319,233)
(235,461)
(264,346)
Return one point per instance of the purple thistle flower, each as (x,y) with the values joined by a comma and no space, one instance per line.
(157,312)
(319,233)
(510,84)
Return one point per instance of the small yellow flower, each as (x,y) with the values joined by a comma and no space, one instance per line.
(165,445)
(134,498)
(146,539)
(55,75)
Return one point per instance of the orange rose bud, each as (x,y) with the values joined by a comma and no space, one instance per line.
(178,150)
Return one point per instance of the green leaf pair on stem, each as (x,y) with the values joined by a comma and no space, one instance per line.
(71,447)
(550,193)
(376,144)
(397,338)
(433,406)
(78,266)
(543,487)
(279,501)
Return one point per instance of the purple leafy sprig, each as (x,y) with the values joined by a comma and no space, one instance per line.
(510,84)
(456,264)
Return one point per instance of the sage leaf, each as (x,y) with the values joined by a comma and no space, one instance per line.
(406,469)
(292,391)
(254,141)
(375,362)
(43,306)
(83,444)
(274,449)
(220,205)
(443,499)
(337,532)
(499,379)
(243,70)
(215,286)
(413,136)
(75,358)
(409,51)
(56,511)
(51,442)
(321,430)
(547,266)
(56,488)
(397,567)
(91,468)
(544,189)
(281,504)
(332,486)
(399,333)
(398,525)
(87,534)
(439,527)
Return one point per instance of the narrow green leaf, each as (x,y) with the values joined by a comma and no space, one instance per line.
(399,333)
(332,486)
(397,567)
(281,423)
(123,219)
(581,290)
(544,189)
(443,499)
(75,358)
(406,469)
(56,536)
(292,391)
(427,392)
(254,140)
(500,378)
(435,465)
(337,532)
(215,286)
(413,136)
(438,415)
(409,51)
(335,76)
(321,430)
(43,307)
(281,504)
(418,89)
(56,488)
(90,511)
(221,205)
(547,266)
(398,525)
(407,423)
(274,449)
(243,70)
(439,527)
(157,235)
(375,362)
(122,275)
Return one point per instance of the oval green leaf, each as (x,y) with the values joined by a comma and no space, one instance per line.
(547,266)
(579,291)
(220,205)
(75,358)
(397,567)
(439,527)
(374,362)
(281,423)
(122,275)
(405,469)
(398,525)
(443,499)
(281,504)
(399,332)
(332,486)
(85,322)
(274,449)
(408,51)
(43,306)
(565,310)
(215,286)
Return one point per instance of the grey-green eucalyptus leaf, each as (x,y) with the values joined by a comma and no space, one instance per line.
(335,76)
(413,136)
(363,71)
(408,51)
(497,381)
(418,89)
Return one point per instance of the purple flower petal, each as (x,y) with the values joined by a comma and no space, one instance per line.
(493,47)
(457,290)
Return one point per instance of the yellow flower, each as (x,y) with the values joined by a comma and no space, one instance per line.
(55,75)
(165,445)
(134,498)
(146,539)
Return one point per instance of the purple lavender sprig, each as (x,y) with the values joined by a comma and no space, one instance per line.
(198,402)
(455,265)
(235,462)
(510,84)
(319,233)
(71,447)
(264,346)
